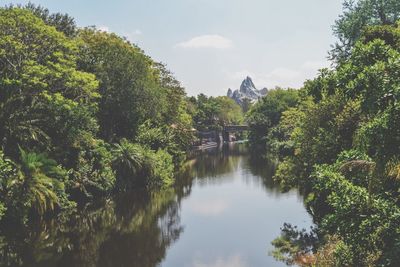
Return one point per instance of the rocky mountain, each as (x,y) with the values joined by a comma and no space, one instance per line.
(247,91)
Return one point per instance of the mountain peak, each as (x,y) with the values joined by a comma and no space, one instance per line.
(247,85)
(247,91)
(230,93)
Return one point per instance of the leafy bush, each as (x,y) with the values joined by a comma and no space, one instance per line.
(138,166)
(92,174)
(34,186)
(163,169)
(367,223)
(266,113)
(130,164)
(334,253)
(294,246)
(153,136)
(175,139)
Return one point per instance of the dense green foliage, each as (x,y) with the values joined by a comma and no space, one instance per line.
(339,142)
(126,82)
(83,114)
(265,115)
(356,16)
(86,113)
(212,113)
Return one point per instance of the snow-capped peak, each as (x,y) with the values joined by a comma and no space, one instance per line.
(247,91)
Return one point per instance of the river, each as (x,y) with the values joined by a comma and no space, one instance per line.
(224,212)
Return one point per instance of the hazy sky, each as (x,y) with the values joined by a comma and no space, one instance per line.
(212,45)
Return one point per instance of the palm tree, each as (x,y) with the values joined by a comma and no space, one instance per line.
(21,126)
(40,186)
(127,162)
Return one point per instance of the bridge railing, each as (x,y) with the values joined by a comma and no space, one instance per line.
(228,128)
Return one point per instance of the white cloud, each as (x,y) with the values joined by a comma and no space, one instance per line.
(240,75)
(207,41)
(233,261)
(284,77)
(137,32)
(211,207)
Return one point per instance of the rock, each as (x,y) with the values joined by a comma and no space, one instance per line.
(247,91)
(229,94)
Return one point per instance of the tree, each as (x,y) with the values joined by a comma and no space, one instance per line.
(356,16)
(266,113)
(228,111)
(212,113)
(62,22)
(39,183)
(67,95)
(128,160)
(41,88)
(128,83)
(345,152)
(205,113)
(174,96)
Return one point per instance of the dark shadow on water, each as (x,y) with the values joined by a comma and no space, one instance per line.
(133,229)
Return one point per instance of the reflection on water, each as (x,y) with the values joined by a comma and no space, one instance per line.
(223,211)
(135,229)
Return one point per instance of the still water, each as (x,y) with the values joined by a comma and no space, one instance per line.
(224,212)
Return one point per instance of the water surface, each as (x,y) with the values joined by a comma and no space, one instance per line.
(233,212)
(224,212)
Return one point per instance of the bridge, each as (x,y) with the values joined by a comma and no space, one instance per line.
(231,129)
(226,130)
(236,128)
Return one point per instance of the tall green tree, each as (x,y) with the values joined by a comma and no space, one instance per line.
(128,83)
(62,22)
(266,113)
(356,16)
(41,182)
(45,101)
(212,113)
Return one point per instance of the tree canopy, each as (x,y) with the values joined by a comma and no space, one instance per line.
(340,144)
(357,15)
(74,104)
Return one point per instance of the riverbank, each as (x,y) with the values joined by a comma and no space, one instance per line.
(210,144)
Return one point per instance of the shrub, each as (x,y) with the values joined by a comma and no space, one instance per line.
(136,165)
(163,169)
(92,174)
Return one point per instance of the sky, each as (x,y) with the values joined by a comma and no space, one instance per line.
(212,45)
